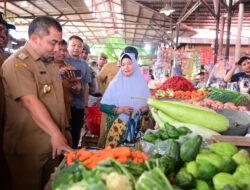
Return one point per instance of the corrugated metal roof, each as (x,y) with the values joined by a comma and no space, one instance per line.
(139,21)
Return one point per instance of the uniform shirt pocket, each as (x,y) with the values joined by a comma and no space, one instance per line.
(45,86)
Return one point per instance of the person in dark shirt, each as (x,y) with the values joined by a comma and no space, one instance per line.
(242,78)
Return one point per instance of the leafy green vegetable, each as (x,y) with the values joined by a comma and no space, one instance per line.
(153,179)
(173,133)
(184,130)
(150,137)
(160,93)
(224,96)
(168,126)
(68,175)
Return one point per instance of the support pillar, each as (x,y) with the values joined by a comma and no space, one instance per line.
(221,38)
(229,17)
(239,29)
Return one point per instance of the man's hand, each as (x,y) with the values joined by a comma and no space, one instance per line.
(59,144)
(235,65)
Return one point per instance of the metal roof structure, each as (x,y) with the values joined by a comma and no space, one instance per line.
(138,21)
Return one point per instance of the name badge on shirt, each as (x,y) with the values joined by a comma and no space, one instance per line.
(46,88)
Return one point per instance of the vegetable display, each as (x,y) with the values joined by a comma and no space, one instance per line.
(191,114)
(215,167)
(214,104)
(176,83)
(176,156)
(224,96)
(90,159)
(195,94)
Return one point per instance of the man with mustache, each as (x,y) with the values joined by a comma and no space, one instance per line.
(35,110)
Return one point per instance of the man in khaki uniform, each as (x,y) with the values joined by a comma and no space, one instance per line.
(35,111)
(71,83)
(4,38)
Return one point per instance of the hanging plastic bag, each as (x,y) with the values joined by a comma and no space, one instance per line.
(133,127)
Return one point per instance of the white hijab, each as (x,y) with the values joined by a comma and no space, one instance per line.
(122,88)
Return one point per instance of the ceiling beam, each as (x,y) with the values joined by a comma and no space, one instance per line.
(209,8)
(37,7)
(190,11)
(22,9)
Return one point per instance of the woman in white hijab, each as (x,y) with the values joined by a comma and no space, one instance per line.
(117,101)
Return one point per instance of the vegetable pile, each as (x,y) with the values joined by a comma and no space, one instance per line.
(214,104)
(90,159)
(196,94)
(168,132)
(175,83)
(200,120)
(224,96)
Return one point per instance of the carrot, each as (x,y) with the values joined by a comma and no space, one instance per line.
(90,160)
(135,160)
(85,156)
(122,159)
(80,152)
(144,156)
(121,152)
(103,151)
(70,157)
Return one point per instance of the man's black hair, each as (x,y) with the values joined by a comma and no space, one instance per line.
(76,37)
(242,59)
(42,24)
(63,43)
(130,49)
(3,22)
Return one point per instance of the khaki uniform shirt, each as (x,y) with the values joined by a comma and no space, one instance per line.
(68,90)
(24,73)
(107,73)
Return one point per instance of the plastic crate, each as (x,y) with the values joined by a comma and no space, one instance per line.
(93,119)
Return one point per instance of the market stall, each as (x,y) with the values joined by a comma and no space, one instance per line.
(187,149)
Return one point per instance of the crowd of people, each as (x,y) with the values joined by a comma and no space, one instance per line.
(46,88)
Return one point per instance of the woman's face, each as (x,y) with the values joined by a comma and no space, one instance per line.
(127,67)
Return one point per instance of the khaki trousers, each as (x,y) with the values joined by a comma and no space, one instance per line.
(30,172)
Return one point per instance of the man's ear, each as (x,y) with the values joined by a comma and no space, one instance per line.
(34,38)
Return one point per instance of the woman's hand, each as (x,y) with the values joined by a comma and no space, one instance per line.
(125,109)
